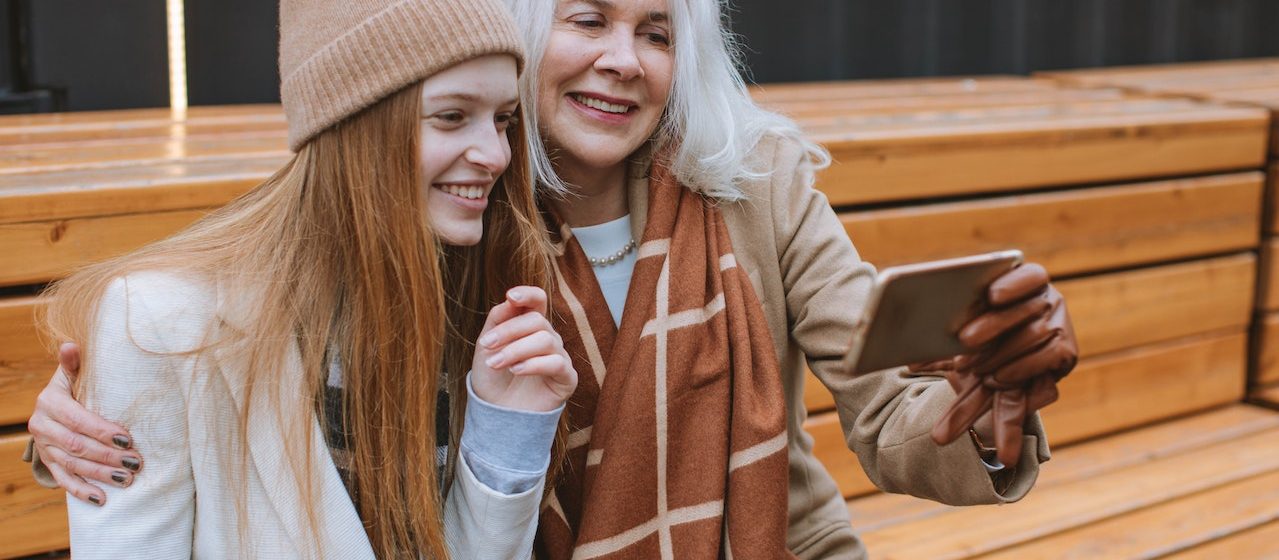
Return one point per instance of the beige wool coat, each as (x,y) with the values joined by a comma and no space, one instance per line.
(813,285)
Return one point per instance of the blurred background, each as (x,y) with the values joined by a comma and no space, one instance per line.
(84,55)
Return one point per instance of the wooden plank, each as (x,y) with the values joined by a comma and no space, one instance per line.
(1089,459)
(1268,283)
(1154,72)
(132,152)
(25,130)
(1260,543)
(819,108)
(981,529)
(1272,197)
(25,363)
(1104,395)
(918,159)
(42,251)
(1075,231)
(1135,387)
(1268,396)
(55,195)
(908,87)
(1123,310)
(33,517)
(1177,525)
(1265,348)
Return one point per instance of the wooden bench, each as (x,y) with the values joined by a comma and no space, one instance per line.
(1086,181)
(1253,83)
(1130,495)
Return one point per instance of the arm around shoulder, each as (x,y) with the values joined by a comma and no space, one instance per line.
(132,380)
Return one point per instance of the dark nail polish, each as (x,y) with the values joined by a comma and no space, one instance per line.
(96,500)
(119,477)
(131,463)
(122,442)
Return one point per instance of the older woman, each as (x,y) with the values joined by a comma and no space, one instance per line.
(698,272)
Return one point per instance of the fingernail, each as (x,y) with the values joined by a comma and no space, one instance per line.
(517,368)
(121,441)
(131,463)
(488,340)
(120,477)
(96,500)
(493,360)
(515,295)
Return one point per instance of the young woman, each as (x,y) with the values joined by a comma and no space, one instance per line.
(698,273)
(281,361)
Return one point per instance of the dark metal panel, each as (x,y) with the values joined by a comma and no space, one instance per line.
(232,51)
(108,55)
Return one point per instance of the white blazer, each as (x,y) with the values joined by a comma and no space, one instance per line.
(181,409)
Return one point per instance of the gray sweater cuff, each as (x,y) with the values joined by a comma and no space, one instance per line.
(508,450)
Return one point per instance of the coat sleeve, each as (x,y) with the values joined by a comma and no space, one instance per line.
(482,523)
(129,382)
(886,416)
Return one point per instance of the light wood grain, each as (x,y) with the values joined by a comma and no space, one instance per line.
(34,519)
(64,194)
(1090,459)
(1259,543)
(1265,348)
(899,161)
(812,110)
(99,126)
(42,251)
(1267,395)
(1074,231)
(134,152)
(1176,525)
(970,531)
(25,364)
(1102,396)
(1268,282)
(1122,310)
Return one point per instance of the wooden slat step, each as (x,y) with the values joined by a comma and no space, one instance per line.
(1177,525)
(1265,348)
(1259,543)
(41,251)
(1104,395)
(1272,196)
(34,518)
(909,87)
(25,364)
(1089,459)
(1267,395)
(57,195)
(903,157)
(1075,231)
(1155,72)
(968,532)
(1122,310)
(137,123)
(813,110)
(1268,285)
(53,157)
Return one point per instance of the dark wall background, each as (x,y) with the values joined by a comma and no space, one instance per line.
(113,54)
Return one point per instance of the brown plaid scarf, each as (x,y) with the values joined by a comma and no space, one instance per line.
(678,441)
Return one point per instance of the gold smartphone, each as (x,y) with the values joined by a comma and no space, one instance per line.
(915,311)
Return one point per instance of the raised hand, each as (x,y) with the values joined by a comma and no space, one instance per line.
(520,362)
(77,445)
(1022,346)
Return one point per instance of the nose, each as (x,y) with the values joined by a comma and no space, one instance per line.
(490,150)
(618,57)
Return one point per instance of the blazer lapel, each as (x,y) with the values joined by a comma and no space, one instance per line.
(340,527)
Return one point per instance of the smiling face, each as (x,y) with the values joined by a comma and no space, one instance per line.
(604,79)
(466,111)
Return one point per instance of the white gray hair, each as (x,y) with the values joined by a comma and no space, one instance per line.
(710,121)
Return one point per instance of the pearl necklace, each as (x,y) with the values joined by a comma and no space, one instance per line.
(613,258)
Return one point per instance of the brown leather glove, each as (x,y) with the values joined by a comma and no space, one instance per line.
(1023,345)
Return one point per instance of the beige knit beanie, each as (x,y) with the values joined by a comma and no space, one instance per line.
(338,57)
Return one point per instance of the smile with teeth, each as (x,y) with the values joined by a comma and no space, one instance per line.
(600,105)
(473,193)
